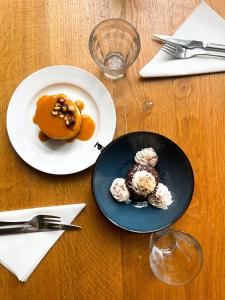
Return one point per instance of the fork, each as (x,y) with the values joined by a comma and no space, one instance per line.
(178,51)
(39,221)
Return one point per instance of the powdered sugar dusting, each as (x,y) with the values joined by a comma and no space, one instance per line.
(143,182)
(119,190)
(162,197)
(146,156)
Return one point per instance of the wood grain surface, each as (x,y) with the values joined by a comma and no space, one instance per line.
(101,261)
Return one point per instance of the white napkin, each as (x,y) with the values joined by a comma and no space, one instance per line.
(21,253)
(203,24)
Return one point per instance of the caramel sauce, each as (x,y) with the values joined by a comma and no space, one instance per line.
(43,137)
(34,120)
(54,127)
(79,104)
(87,128)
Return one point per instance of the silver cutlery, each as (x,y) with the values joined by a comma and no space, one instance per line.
(16,230)
(177,51)
(38,223)
(190,44)
(64,227)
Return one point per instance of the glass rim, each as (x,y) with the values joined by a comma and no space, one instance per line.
(100,64)
(173,231)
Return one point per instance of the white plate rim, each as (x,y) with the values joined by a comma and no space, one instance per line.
(107,139)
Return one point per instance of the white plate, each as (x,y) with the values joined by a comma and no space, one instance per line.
(53,156)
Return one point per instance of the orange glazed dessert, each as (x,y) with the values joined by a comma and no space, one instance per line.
(60,118)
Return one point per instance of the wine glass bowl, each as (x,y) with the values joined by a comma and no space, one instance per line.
(175,257)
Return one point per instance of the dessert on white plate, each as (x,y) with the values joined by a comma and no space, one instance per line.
(56,156)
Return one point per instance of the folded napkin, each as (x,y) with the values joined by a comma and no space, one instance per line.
(203,24)
(21,253)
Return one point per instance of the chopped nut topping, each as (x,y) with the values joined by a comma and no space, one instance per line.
(72,121)
(64,111)
(65,107)
(71,108)
(61,100)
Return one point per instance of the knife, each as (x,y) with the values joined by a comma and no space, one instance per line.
(4,230)
(190,44)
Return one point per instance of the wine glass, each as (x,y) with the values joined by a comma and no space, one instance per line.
(175,257)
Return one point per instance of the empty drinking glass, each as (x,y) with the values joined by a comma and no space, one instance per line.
(114,45)
(175,257)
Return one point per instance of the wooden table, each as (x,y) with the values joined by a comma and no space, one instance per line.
(102,261)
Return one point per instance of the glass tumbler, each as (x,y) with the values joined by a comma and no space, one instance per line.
(175,257)
(114,44)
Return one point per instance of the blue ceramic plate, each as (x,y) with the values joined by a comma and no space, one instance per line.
(175,172)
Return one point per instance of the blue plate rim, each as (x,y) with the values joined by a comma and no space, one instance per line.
(168,140)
